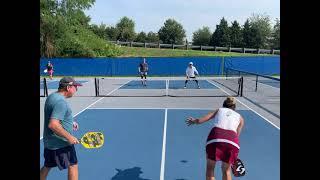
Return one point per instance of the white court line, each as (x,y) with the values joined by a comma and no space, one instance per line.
(151,108)
(91,104)
(118,87)
(248,107)
(163,156)
(84,109)
(263,83)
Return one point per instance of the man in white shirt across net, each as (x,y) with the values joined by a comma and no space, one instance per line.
(191,73)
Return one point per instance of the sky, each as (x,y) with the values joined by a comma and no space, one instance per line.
(150,15)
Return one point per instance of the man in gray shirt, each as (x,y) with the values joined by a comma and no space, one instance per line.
(57,131)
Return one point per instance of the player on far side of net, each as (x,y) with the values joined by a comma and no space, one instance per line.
(50,69)
(143,71)
(191,72)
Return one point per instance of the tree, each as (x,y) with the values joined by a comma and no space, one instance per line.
(201,36)
(141,37)
(64,31)
(221,36)
(236,38)
(275,41)
(99,30)
(72,10)
(246,34)
(125,28)
(52,27)
(152,37)
(261,29)
(111,33)
(172,32)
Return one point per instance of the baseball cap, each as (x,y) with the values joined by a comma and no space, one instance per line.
(191,63)
(68,81)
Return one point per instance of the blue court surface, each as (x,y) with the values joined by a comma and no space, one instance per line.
(153,144)
(53,84)
(173,84)
(137,84)
(272,83)
(179,84)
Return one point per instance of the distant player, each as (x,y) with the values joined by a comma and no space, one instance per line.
(143,71)
(50,69)
(191,72)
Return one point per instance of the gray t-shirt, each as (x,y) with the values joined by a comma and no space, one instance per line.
(143,67)
(56,107)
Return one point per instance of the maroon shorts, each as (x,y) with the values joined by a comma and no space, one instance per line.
(50,72)
(221,151)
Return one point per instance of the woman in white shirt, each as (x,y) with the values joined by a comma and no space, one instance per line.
(223,140)
(191,72)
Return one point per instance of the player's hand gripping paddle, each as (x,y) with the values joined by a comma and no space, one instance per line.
(238,169)
(92,140)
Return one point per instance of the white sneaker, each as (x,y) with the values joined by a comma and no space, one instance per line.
(198,87)
(184,87)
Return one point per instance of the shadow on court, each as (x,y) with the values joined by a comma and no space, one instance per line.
(131,173)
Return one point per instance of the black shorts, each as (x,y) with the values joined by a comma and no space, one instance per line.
(63,157)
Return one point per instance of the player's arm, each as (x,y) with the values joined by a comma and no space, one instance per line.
(187,74)
(240,126)
(196,71)
(201,120)
(57,128)
(58,113)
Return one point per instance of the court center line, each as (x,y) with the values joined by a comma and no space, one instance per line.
(248,107)
(163,156)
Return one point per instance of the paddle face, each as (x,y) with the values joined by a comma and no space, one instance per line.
(238,169)
(45,71)
(92,140)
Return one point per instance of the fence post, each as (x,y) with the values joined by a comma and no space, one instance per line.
(159,45)
(258,51)
(172,46)
(186,46)
(215,48)
(229,48)
(200,47)
(118,42)
(130,43)
(272,51)
(244,50)
(145,45)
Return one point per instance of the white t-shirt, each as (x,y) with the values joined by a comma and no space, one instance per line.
(227,119)
(190,72)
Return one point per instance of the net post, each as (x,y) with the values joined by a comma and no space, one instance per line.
(256,83)
(239,87)
(226,71)
(241,92)
(95,86)
(45,89)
